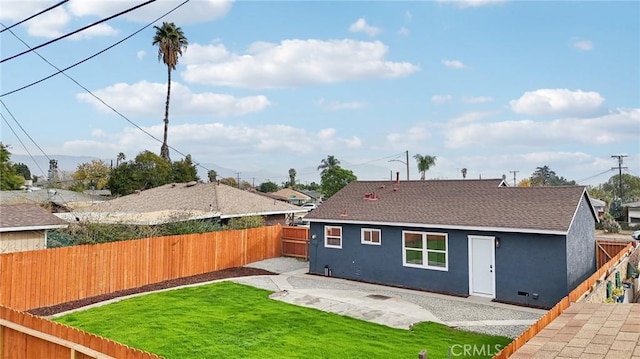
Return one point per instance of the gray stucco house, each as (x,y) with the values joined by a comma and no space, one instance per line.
(521,245)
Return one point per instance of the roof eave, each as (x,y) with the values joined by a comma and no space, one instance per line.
(33,228)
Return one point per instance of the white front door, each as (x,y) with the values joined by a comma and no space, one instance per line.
(482,278)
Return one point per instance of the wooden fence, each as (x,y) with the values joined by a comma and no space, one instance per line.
(295,242)
(605,250)
(23,335)
(43,278)
(563,304)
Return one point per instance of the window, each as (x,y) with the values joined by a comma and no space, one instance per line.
(424,250)
(333,237)
(370,236)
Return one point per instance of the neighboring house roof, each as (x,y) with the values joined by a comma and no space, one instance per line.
(180,201)
(598,203)
(312,194)
(98,192)
(27,217)
(462,204)
(289,193)
(632,204)
(61,197)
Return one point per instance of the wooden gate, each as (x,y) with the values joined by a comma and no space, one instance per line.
(295,242)
(605,250)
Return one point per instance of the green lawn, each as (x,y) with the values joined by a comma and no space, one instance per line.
(229,320)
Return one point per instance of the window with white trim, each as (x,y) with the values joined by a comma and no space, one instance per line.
(425,250)
(370,236)
(332,237)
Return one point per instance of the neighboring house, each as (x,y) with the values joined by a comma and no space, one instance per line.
(23,227)
(599,206)
(521,245)
(60,200)
(632,213)
(294,196)
(316,197)
(185,201)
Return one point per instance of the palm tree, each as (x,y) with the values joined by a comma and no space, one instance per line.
(424,163)
(327,164)
(121,157)
(292,177)
(171,43)
(464,173)
(213,175)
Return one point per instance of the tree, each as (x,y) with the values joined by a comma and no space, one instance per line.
(245,185)
(92,174)
(213,175)
(266,187)
(22,170)
(229,181)
(334,179)
(525,182)
(9,178)
(464,173)
(121,158)
(630,187)
(171,43)
(327,164)
(424,163)
(148,170)
(545,176)
(292,177)
(184,171)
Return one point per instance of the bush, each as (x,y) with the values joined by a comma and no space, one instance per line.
(611,226)
(245,222)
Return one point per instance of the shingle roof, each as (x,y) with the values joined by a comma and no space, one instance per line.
(454,203)
(58,196)
(196,201)
(27,217)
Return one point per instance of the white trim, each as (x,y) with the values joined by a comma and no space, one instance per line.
(33,228)
(371,243)
(440,226)
(470,239)
(326,245)
(425,252)
(225,216)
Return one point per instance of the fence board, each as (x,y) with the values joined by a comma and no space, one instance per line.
(41,278)
(295,242)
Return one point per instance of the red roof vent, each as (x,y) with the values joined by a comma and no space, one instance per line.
(395,189)
(368,195)
(382,187)
(344,213)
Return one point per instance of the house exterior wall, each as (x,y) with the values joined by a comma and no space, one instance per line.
(22,241)
(634,215)
(581,246)
(526,263)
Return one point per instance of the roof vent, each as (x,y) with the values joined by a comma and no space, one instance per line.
(382,187)
(395,189)
(344,214)
(370,196)
(173,185)
(191,184)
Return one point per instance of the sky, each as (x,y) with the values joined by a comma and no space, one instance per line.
(495,87)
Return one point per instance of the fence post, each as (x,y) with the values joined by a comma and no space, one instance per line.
(423,354)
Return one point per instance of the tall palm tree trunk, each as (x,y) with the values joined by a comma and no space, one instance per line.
(164,150)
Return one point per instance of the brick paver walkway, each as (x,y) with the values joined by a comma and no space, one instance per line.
(588,330)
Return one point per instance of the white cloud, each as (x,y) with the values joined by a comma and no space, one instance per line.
(192,13)
(404,31)
(201,54)
(477,99)
(584,45)
(141,54)
(49,24)
(293,63)
(98,30)
(414,134)
(361,26)
(454,64)
(440,99)
(472,116)
(617,126)
(408,16)
(472,3)
(557,101)
(147,98)
(353,142)
(337,105)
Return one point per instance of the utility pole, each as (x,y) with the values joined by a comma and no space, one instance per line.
(238,174)
(620,167)
(407,158)
(514,177)
(405,162)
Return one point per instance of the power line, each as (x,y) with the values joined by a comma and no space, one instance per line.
(92,56)
(514,177)
(79,30)
(594,176)
(22,143)
(620,159)
(22,128)
(38,14)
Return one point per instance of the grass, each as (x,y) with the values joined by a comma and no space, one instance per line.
(229,320)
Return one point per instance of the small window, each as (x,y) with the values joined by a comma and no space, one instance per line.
(370,236)
(333,237)
(424,250)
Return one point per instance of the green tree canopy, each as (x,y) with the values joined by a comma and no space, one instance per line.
(292,177)
(184,171)
(334,179)
(213,175)
(327,163)
(545,176)
(9,178)
(92,174)
(266,187)
(424,163)
(22,170)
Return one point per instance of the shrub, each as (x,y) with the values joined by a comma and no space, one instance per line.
(245,222)
(611,226)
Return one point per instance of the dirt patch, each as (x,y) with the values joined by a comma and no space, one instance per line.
(205,277)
